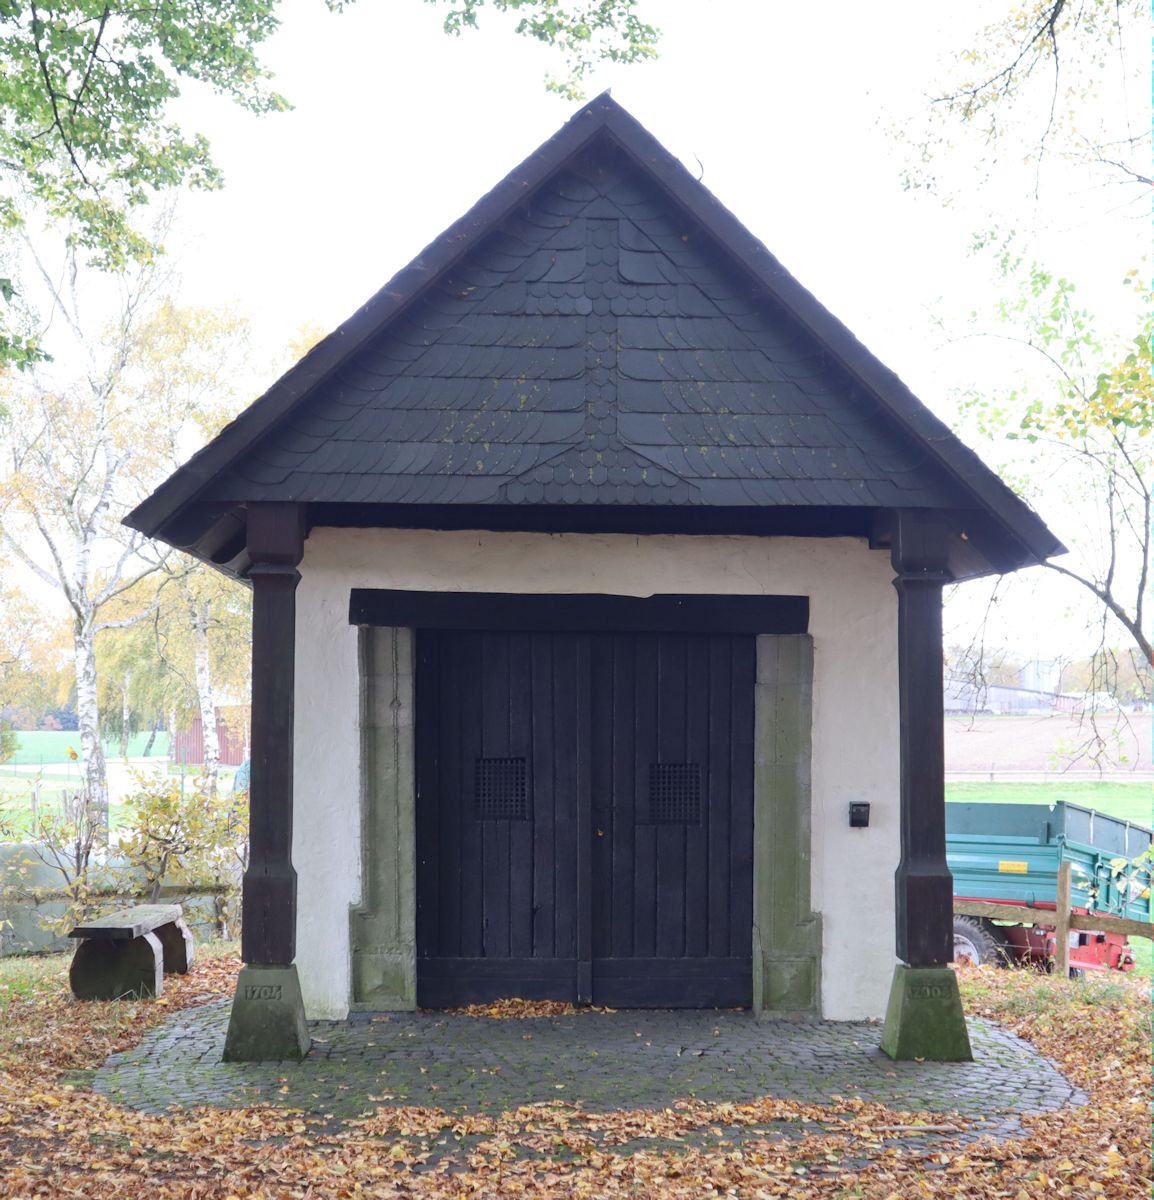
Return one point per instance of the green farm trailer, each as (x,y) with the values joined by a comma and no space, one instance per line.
(1010,854)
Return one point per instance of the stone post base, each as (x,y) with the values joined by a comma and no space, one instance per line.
(267,1023)
(924,1018)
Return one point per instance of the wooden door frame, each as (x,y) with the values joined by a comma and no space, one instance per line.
(786,950)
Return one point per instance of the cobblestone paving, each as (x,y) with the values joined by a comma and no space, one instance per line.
(601,1061)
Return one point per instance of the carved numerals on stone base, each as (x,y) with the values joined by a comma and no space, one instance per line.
(267,1023)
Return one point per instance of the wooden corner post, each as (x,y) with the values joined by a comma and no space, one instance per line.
(924,1018)
(267,1021)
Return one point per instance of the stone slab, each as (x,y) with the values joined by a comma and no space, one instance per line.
(786,931)
(127,923)
(383,926)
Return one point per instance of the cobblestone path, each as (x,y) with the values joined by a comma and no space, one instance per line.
(601,1061)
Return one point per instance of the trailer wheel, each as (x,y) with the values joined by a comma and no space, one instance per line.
(975,944)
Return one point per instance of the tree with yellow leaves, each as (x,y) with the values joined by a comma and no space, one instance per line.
(1061,80)
(86,438)
(1079,440)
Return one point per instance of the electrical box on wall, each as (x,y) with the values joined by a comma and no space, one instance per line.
(859,814)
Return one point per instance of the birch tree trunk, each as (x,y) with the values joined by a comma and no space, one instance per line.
(91,440)
(200,612)
(125,713)
(87,718)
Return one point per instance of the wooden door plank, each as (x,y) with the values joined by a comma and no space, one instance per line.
(698,750)
(566,766)
(548,869)
(493,833)
(584,824)
(675,982)
(744,673)
(449,982)
(671,749)
(623,825)
(601,780)
(426,740)
(448,777)
(467,650)
(520,738)
(644,832)
(718,785)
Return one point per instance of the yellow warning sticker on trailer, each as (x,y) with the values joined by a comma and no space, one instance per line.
(1011,866)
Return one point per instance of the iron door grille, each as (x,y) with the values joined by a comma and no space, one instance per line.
(674,794)
(500,789)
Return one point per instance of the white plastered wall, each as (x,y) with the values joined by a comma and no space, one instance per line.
(853,621)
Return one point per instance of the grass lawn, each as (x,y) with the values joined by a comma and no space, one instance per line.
(15,801)
(22,778)
(37,745)
(1127,801)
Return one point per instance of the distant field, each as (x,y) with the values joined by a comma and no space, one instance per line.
(1127,801)
(36,746)
(987,745)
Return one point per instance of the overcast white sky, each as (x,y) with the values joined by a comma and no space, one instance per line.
(788,111)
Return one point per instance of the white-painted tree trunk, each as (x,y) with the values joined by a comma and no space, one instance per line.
(88,722)
(200,611)
(125,713)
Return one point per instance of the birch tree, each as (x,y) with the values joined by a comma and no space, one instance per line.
(215,612)
(191,657)
(1078,440)
(69,441)
(189,364)
(85,439)
(1063,81)
(134,682)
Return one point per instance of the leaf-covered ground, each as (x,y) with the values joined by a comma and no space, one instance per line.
(59,1140)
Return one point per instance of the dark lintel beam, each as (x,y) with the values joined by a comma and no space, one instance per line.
(580,613)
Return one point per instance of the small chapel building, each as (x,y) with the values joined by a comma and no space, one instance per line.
(597,576)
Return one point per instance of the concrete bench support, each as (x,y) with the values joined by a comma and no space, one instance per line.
(125,955)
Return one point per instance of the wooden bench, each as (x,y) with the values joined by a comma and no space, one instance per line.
(126,954)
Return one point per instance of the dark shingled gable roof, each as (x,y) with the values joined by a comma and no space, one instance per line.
(597,331)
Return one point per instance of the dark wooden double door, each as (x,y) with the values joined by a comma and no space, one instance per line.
(584,817)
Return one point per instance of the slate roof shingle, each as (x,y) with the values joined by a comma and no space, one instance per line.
(597,331)
(600,355)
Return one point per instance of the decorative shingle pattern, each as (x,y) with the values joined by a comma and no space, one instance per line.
(593,349)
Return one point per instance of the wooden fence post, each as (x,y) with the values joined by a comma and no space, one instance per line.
(1062,924)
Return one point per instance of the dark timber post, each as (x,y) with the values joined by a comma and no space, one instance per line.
(924,1018)
(267,1021)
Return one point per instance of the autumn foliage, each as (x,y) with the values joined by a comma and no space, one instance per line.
(59,1140)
